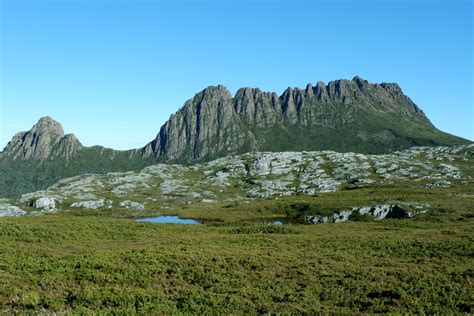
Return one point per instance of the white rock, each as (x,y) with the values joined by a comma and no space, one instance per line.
(207,201)
(132,205)
(93,204)
(438,184)
(10,210)
(379,212)
(45,203)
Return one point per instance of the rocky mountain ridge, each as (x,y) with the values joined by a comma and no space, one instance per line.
(343,116)
(214,123)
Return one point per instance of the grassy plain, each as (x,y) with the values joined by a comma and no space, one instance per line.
(104,262)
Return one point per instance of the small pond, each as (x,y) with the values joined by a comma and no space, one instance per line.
(168,219)
(278,222)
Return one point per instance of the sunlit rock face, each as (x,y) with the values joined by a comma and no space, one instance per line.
(44,140)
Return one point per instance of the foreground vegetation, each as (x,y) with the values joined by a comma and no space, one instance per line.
(101,261)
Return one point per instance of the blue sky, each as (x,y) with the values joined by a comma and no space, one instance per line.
(112,72)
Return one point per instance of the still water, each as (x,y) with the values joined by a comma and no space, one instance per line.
(168,219)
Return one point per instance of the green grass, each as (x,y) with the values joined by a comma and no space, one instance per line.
(94,261)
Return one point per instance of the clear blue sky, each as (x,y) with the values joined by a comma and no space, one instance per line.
(112,72)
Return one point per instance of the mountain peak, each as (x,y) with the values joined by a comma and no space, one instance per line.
(214,92)
(45,139)
(47,119)
(360,81)
(47,126)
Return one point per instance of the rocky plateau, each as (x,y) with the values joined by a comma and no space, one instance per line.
(253,176)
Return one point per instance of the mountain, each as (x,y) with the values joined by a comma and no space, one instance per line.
(46,139)
(37,158)
(344,115)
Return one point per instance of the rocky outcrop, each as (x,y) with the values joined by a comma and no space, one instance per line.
(45,203)
(132,205)
(251,176)
(10,210)
(265,175)
(344,115)
(376,212)
(93,204)
(45,139)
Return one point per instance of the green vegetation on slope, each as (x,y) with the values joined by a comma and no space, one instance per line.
(20,176)
(368,132)
(90,261)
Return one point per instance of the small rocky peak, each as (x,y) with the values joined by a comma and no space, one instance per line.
(321,85)
(392,91)
(288,104)
(68,146)
(40,141)
(321,91)
(244,101)
(247,93)
(343,87)
(309,90)
(71,139)
(49,127)
(391,88)
(341,90)
(361,83)
(214,93)
(331,88)
(288,93)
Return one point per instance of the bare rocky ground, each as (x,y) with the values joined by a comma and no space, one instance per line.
(251,176)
